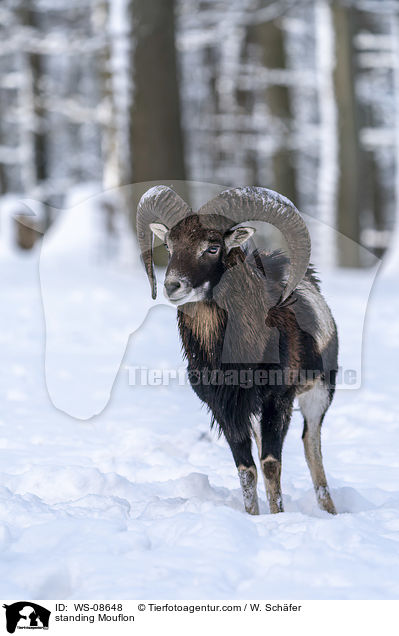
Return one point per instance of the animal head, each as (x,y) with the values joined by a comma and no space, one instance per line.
(200,244)
(198,256)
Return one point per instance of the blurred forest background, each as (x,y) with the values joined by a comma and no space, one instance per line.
(301,96)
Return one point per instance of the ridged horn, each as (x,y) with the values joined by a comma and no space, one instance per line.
(159,204)
(237,205)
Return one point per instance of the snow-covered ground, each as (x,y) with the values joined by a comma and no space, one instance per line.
(142,501)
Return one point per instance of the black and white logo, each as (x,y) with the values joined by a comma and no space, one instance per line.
(26,615)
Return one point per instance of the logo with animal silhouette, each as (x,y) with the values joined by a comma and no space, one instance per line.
(26,615)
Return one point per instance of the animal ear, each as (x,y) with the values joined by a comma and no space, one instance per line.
(235,238)
(159,230)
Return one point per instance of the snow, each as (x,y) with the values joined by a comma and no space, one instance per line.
(142,500)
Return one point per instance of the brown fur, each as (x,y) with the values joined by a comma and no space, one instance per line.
(207,324)
(284,319)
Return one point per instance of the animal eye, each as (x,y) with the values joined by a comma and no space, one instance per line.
(213,249)
(165,245)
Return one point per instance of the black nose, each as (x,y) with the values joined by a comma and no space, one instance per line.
(172,286)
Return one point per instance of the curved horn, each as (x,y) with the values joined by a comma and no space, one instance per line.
(260,204)
(159,204)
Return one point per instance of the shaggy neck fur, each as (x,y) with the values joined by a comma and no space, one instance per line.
(226,330)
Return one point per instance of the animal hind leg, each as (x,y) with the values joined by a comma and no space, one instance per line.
(313,405)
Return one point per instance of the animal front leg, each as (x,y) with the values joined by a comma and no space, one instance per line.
(247,473)
(273,428)
(248,480)
(271,469)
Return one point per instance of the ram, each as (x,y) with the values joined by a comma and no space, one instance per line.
(255,329)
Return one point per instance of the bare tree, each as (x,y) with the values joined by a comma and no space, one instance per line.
(110,150)
(32,107)
(269,35)
(348,135)
(374,61)
(156,138)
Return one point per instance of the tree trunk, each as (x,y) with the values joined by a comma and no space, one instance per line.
(348,137)
(156,139)
(270,36)
(324,236)
(36,168)
(375,195)
(110,149)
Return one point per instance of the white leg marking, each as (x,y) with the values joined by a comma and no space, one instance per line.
(255,425)
(248,480)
